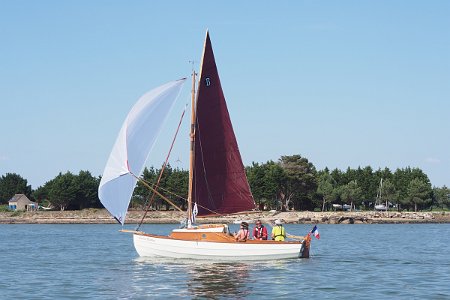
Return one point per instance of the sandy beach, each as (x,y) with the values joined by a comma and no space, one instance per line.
(101,216)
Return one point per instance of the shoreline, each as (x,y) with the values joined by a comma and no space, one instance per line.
(101,216)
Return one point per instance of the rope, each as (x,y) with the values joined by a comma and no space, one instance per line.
(165,190)
(181,197)
(152,187)
(157,193)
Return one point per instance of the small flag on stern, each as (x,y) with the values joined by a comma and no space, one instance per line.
(315,232)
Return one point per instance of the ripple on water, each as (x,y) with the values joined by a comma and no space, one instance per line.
(349,261)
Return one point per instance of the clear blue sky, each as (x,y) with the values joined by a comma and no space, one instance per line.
(343,83)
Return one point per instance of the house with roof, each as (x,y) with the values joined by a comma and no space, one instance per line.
(21,202)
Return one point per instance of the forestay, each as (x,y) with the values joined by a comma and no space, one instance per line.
(133,145)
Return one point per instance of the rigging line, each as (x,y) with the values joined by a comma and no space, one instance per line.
(182,198)
(157,193)
(205,208)
(162,170)
(166,190)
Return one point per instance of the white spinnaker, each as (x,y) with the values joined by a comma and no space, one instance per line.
(133,144)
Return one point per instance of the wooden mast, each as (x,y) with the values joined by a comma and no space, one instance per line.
(191,152)
(192,137)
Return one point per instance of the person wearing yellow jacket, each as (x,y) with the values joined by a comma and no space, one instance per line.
(278,232)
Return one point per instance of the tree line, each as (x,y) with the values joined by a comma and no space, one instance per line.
(294,183)
(65,191)
(290,183)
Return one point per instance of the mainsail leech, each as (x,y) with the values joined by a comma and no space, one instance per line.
(132,147)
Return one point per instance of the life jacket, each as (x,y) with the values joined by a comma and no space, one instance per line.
(258,232)
(246,234)
(278,233)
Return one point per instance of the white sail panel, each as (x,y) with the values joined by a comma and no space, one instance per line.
(133,145)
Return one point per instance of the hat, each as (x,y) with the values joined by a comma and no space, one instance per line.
(277,222)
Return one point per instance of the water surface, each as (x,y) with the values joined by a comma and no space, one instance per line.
(379,261)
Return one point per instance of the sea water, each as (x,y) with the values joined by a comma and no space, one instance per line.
(383,261)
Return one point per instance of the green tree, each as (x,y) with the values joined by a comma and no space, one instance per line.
(351,194)
(419,193)
(338,176)
(41,194)
(142,193)
(274,178)
(69,191)
(326,188)
(365,179)
(86,187)
(441,197)
(402,178)
(62,190)
(177,185)
(173,185)
(11,184)
(164,185)
(266,181)
(350,175)
(255,176)
(389,193)
(300,185)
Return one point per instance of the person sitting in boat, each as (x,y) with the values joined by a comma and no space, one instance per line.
(278,232)
(243,233)
(259,232)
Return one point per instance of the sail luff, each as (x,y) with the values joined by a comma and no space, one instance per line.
(132,147)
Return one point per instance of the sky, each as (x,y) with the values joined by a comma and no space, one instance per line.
(342,83)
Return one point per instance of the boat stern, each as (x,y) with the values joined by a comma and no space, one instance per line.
(304,249)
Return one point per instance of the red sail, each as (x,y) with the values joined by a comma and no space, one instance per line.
(220,184)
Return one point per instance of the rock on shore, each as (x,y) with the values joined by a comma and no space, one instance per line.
(101,216)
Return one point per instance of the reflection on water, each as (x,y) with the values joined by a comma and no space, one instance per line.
(199,279)
(219,279)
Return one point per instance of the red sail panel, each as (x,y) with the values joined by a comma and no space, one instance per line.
(220,184)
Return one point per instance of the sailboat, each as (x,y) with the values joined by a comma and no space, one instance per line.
(217,181)
(379,205)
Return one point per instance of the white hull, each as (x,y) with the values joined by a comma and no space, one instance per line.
(380,207)
(160,246)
